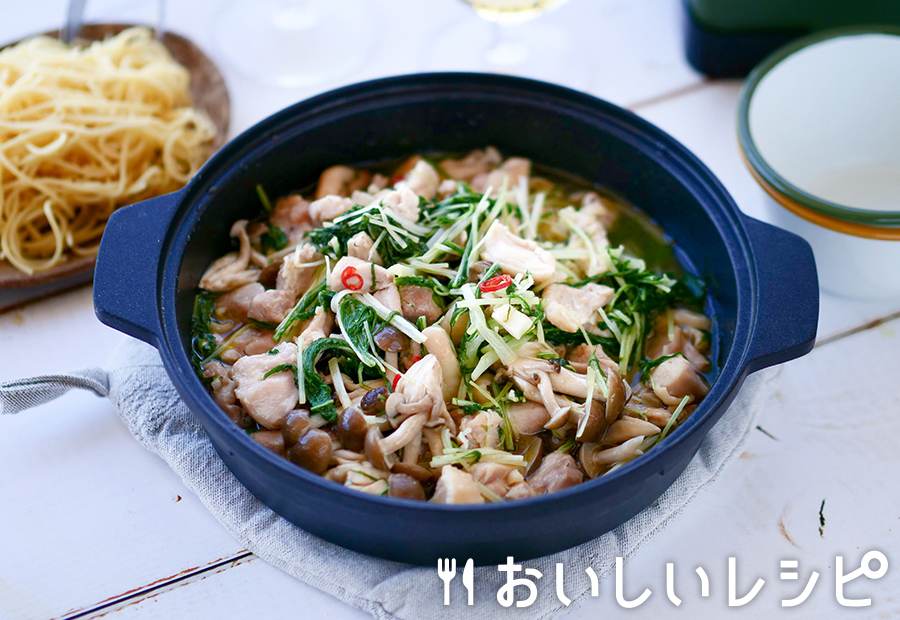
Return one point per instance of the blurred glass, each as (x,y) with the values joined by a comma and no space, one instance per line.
(294,43)
(509,38)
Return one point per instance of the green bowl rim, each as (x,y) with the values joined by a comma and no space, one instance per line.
(887,219)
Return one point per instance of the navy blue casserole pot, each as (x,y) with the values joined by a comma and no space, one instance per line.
(764,297)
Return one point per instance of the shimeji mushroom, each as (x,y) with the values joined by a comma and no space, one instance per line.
(380,450)
(437,342)
(594,460)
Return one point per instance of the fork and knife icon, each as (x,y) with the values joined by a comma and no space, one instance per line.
(447,571)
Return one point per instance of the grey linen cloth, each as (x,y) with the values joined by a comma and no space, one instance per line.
(149,405)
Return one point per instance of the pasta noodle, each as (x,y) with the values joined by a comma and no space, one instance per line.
(84,131)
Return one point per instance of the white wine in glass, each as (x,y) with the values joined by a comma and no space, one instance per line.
(511,11)
(510,39)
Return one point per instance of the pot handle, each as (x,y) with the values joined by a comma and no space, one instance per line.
(128,263)
(787,286)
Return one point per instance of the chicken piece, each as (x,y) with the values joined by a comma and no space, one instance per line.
(580,356)
(296,273)
(481,430)
(528,418)
(516,255)
(423,180)
(496,477)
(291,215)
(456,487)
(361,246)
(235,304)
(419,391)
(476,162)
(319,326)
(329,207)
(342,181)
(268,400)
(271,306)
(557,471)
(222,386)
(675,378)
(419,301)
(232,270)
(570,308)
(404,202)
(595,206)
(511,172)
(389,297)
(522,490)
(659,345)
(358,275)
(697,320)
(250,342)
(591,219)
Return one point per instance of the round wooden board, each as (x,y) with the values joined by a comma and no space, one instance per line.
(210,95)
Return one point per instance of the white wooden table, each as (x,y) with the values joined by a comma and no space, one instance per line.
(92,525)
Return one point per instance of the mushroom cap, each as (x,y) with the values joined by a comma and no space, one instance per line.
(406,487)
(592,423)
(312,451)
(615,402)
(352,429)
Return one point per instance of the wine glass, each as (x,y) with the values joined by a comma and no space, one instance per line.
(294,43)
(509,39)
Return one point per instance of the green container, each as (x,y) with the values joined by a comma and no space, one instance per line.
(775,15)
(727,38)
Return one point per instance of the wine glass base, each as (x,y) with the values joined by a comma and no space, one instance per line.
(536,50)
(294,43)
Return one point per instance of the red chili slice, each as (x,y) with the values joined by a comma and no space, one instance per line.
(416,358)
(351,279)
(394,382)
(497,283)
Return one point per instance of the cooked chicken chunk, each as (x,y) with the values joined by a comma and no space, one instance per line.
(570,308)
(222,387)
(456,487)
(342,181)
(358,275)
(481,430)
(329,207)
(476,162)
(675,378)
(557,471)
(404,202)
(423,179)
(516,255)
(267,400)
(236,304)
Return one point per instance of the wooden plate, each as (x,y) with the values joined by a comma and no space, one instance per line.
(210,95)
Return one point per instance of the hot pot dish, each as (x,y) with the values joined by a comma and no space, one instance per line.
(460,329)
(557,333)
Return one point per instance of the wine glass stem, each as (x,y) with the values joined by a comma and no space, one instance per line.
(508,49)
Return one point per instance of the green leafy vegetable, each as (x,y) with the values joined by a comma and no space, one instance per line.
(203,343)
(273,239)
(283,367)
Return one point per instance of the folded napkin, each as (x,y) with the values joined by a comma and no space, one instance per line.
(149,405)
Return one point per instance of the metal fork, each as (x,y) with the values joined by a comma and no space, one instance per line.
(75,17)
(446,571)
